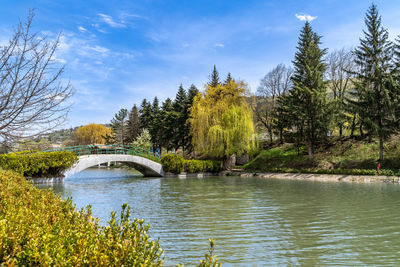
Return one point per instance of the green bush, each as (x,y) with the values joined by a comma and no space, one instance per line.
(172,163)
(38,164)
(38,228)
(176,164)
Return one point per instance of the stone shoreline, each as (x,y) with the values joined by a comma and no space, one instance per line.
(319,177)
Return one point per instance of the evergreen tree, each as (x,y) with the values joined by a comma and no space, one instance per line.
(145,115)
(214,78)
(309,89)
(154,127)
(167,124)
(192,93)
(133,124)
(228,79)
(180,112)
(377,96)
(119,126)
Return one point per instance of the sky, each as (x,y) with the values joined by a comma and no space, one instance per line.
(116,53)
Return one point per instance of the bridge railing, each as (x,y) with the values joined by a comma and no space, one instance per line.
(85,150)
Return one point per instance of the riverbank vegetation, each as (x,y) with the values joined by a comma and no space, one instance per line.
(38,164)
(177,164)
(336,156)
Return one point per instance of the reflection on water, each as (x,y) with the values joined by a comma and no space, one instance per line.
(255,221)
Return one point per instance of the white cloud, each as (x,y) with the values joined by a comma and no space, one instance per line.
(219,45)
(305,17)
(110,21)
(82,29)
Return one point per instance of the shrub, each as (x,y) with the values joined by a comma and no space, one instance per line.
(176,164)
(172,163)
(39,228)
(38,164)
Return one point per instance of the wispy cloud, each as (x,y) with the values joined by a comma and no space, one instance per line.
(110,21)
(82,29)
(305,17)
(219,45)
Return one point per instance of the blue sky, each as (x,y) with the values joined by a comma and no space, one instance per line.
(119,52)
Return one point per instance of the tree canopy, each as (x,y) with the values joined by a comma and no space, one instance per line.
(91,134)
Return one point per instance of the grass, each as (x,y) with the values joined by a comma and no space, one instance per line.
(345,155)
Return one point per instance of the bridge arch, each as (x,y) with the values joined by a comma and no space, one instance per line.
(146,166)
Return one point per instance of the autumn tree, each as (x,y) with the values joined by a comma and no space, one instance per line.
(91,134)
(221,121)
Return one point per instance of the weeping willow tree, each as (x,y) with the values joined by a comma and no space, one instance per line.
(221,121)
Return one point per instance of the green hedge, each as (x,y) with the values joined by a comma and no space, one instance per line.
(176,164)
(38,228)
(38,164)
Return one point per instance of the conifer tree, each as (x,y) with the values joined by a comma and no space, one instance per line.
(309,88)
(214,78)
(154,127)
(145,115)
(133,125)
(228,79)
(119,126)
(192,93)
(166,124)
(377,96)
(179,107)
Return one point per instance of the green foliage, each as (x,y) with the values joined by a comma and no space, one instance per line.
(176,164)
(133,125)
(38,164)
(38,228)
(119,126)
(210,260)
(143,140)
(172,163)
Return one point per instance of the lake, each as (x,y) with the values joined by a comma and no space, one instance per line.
(254,221)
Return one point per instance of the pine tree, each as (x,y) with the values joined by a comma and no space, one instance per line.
(214,78)
(166,124)
(228,79)
(119,126)
(154,127)
(179,107)
(309,89)
(192,93)
(377,102)
(133,125)
(145,115)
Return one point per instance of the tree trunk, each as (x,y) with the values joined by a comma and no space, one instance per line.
(353,126)
(340,130)
(361,131)
(281,136)
(310,151)
(380,149)
(228,162)
(270,136)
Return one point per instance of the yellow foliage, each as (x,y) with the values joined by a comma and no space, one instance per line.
(221,120)
(91,134)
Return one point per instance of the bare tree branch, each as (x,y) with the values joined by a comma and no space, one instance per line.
(32,97)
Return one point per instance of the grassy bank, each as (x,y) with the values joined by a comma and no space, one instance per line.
(338,156)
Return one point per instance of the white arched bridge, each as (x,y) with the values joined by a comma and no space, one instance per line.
(145,161)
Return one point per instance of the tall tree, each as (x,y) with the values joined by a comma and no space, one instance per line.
(228,79)
(214,78)
(133,127)
(167,124)
(221,122)
(192,93)
(119,126)
(377,96)
(309,87)
(180,113)
(154,127)
(145,114)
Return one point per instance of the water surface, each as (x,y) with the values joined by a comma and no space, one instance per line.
(255,221)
